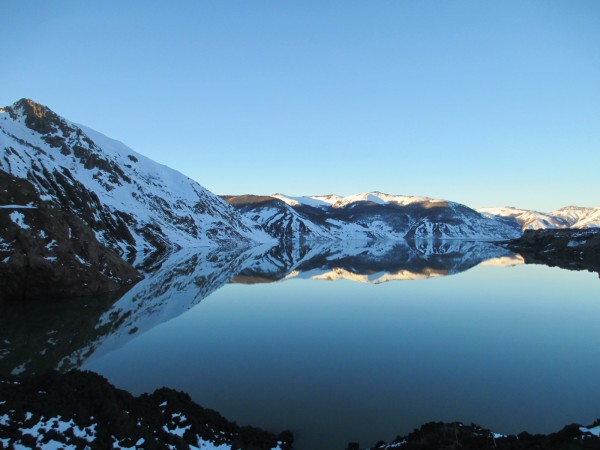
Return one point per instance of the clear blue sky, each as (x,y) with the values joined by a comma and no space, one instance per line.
(485,103)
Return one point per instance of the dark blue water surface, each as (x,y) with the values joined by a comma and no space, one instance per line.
(510,348)
(406,334)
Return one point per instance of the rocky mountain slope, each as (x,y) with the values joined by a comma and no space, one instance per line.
(133,205)
(567,217)
(47,253)
(371,215)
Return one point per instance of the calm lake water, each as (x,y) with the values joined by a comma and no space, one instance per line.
(355,343)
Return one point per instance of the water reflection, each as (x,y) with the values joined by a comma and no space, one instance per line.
(36,336)
(372,261)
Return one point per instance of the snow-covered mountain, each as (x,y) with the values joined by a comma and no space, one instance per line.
(371,215)
(277,217)
(133,204)
(524,219)
(136,206)
(579,217)
(567,217)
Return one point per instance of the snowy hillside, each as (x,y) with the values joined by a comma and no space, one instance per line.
(567,217)
(277,217)
(131,202)
(370,215)
(579,217)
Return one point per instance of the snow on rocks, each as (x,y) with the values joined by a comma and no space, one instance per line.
(96,415)
(19,219)
(592,430)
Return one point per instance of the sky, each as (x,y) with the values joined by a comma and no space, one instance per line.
(484,103)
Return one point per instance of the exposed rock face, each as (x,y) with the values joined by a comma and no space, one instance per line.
(49,253)
(132,204)
(82,410)
(454,436)
(370,216)
(565,248)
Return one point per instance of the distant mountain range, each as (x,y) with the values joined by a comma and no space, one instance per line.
(375,215)
(567,217)
(135,207)
(371,215)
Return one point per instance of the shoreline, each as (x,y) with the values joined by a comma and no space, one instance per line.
(81,409)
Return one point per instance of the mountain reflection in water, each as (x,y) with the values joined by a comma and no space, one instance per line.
(36,336)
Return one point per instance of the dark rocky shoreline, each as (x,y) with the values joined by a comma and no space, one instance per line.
(83,410)
(454,436)
(572,249)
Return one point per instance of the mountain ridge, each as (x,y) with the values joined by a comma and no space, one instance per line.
(566,217)
(369,215)
(133,204)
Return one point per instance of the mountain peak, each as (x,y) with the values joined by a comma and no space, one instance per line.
(133,204)
(28,103)
(37,117)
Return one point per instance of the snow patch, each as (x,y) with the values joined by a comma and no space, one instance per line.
(82,261)
(19,219)
(177,431)
(594,430)
(207,445)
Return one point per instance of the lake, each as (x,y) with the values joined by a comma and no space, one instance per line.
(345,342)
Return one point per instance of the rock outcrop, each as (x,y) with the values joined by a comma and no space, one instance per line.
(83,410)
(455,436)
(49,253)
(574,249)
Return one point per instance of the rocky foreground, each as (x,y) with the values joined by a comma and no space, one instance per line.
(81,410)
(454,436)
(565,248)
